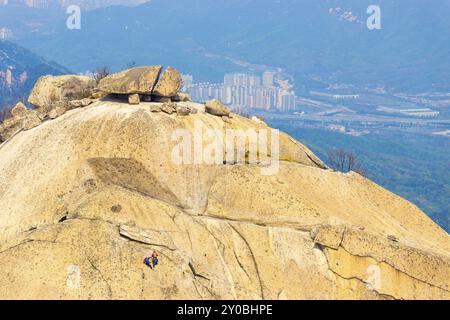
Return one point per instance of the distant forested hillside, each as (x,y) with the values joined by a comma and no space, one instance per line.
(19,70)
(317,42)
(85,4)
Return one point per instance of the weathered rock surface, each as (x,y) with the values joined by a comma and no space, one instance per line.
(50,90)
(139,80)
(19,110)
(169,84)
(217,108)
(21,119)
(85,197)
(169,108)
(183,111)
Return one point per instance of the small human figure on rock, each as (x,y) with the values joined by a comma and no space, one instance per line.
(152,261)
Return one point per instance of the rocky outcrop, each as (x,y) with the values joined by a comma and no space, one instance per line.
(50,91)
(139,80)
(145,84)
(216,108)
(169,84)
(19,110)
(183,111)
(113,194)
(169,108)
(224,229)
(59,108)
(21,119)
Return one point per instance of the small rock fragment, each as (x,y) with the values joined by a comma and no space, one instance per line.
(183,111)
(134,99)
(19,110)
(168,108)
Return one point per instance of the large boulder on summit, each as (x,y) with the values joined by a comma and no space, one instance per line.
(144,83)
(217,108)
(50,90)
(140,80)
(169,84)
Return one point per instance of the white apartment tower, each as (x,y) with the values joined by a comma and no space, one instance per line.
(267,79)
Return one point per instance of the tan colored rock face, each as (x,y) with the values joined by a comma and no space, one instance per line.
(113,194)
(183,111)
(137,80)
(19,110)
(50,90)
(79,103)
(58,111)
(169,84)
(168,108)
(22,119)
(31,120)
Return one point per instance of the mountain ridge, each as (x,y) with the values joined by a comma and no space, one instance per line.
(84,4)
(405,55)
(19,70)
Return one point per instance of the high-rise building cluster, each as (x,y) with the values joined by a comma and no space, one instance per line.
(243,91)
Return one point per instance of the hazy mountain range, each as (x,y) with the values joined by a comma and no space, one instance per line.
(315,42)
(85,4)
(19,70)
